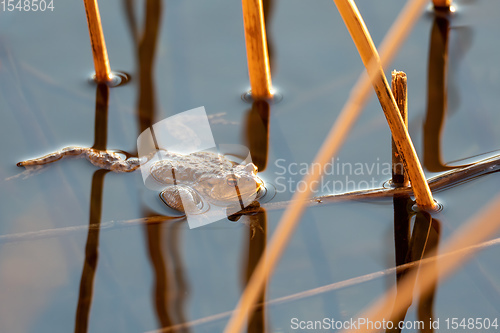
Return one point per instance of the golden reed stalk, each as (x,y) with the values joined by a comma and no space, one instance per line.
(357,99)
(369,55)
(99,52)
(257,56)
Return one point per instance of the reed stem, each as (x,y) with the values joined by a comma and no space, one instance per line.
(442,4)
(257,55)
(99,52)
(399,90)
(369,55)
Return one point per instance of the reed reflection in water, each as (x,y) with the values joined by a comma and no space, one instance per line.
(437,93)
(256,246)
(170,287)
(411,248)
(92,245)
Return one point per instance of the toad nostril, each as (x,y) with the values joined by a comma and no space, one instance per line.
(232,181)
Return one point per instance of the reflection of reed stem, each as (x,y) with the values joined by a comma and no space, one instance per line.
(257,133)
(101,117)
(436,94)
(161,277)
(371,60)
(256,247)
(91,254)
(475,231)
(99,52)
(348,283)
(146,45)
(92,246)
(257,56)
(401,243)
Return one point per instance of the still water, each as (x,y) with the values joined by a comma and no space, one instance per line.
(132,276)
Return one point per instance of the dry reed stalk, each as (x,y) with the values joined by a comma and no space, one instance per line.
(442,3)
(470,235)
(257,56)
(399,90)
(357,99)
(369,55)
(99,52)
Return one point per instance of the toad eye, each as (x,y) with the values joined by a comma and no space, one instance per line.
(232,181)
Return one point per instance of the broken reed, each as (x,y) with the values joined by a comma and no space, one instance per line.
(398,86)
(369,55)
(99,52)
(256,44)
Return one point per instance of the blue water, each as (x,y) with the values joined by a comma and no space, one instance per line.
(148,277)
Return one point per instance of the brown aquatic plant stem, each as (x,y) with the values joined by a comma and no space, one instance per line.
(369,55)
(399,90)
(256,44)
(475,231)
(99,52)
(359,94)
(442,4)
(402,217)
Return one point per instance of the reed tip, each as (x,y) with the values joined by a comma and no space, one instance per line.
(444,6)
